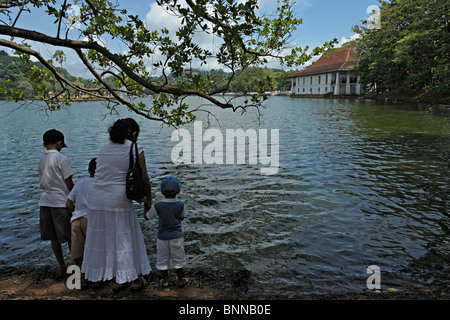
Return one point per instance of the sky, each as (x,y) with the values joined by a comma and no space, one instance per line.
(323,20)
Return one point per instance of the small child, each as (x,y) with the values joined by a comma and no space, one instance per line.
(55,180)
(170,243)
(77,201)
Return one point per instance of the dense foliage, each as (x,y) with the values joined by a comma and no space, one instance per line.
(14,81)
(411,47)
(244,39)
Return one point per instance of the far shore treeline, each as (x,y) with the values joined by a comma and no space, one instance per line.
(405,54)
(13,76)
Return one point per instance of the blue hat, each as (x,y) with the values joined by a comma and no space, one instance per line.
(170,185)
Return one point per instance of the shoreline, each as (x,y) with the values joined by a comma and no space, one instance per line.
(40,283)
(412,97)
(415,96)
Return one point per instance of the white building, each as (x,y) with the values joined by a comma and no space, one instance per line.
(333,74)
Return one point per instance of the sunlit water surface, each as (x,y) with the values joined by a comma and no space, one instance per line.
(358,184)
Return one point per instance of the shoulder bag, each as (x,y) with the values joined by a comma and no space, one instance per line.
(134,184)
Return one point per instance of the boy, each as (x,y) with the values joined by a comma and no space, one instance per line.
(77,201)
(169,243)
(55,179)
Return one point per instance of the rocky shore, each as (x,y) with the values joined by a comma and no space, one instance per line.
(40,283)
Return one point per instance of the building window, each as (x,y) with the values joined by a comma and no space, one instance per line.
(319,79)
(303,80)
(310,80)
(318,89)
(333,79)
(326,79)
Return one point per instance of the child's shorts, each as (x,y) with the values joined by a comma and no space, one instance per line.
(79,228)
(170,250)
(54,224)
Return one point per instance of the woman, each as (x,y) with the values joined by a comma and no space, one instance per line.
(114,243)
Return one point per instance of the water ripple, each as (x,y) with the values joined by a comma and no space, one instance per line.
(358,184)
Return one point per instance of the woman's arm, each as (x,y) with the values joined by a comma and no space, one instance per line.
(147,184)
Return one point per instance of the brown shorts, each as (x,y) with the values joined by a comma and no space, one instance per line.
(79,227)
(55,224)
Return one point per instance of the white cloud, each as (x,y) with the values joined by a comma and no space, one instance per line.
(304,3)
(351,38)
(74,17)
(158,18)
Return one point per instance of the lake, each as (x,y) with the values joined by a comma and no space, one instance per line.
(359,183)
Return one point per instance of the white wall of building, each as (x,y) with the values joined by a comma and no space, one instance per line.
(327,83)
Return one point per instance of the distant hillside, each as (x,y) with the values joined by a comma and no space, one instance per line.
(13,75)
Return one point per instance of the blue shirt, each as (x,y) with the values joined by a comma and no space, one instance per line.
(170,213)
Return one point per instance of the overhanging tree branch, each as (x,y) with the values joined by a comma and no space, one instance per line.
(63,81)
(110,89)
(245,40)
(75,44)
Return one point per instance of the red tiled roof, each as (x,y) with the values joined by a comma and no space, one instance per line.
(339,60)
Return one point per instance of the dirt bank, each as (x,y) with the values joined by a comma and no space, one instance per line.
(41,284)
(412,96)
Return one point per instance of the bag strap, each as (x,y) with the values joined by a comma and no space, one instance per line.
(137,155)
(131,164)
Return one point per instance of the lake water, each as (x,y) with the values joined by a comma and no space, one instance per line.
(358,184)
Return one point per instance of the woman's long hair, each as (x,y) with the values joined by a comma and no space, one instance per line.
(123,129)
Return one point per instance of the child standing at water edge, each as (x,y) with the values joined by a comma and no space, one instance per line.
(169,243)
(77,201)
(55,179)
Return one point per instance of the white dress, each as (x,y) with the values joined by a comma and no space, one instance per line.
(115,245)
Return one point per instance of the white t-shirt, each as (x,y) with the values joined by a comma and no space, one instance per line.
(54,168)
(79,196)
(108,189)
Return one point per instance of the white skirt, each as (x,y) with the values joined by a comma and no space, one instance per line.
(114,247)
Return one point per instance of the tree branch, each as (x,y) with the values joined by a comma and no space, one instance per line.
(61,17)
(76,44)
(63,81)
(225,26)
(113,92)
(13,3)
